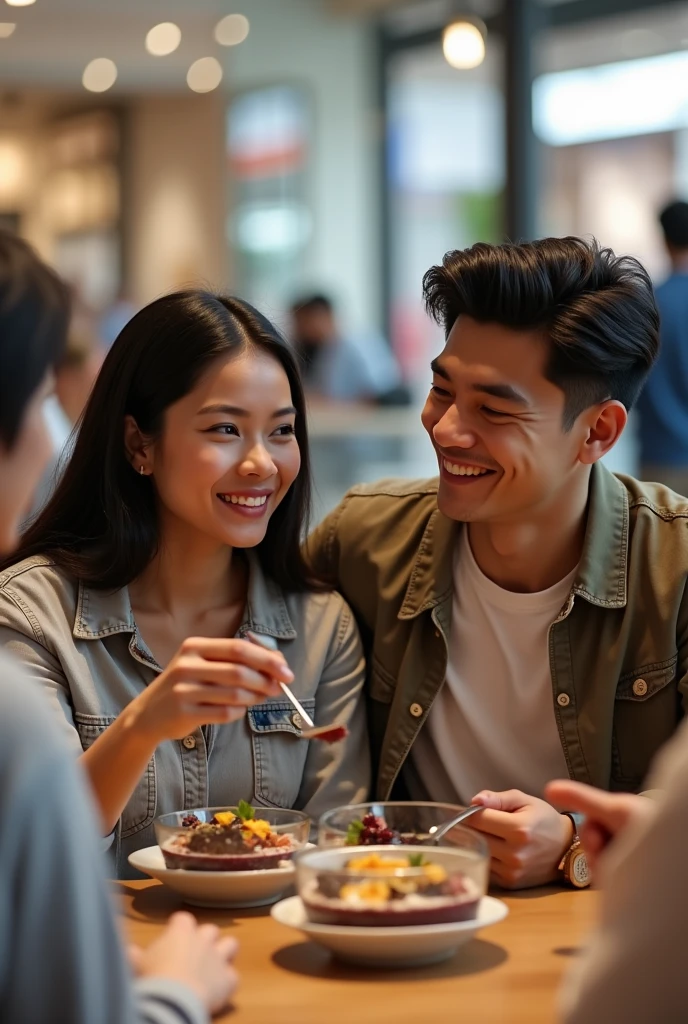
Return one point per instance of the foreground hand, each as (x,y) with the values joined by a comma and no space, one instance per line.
(606,814)
(195,955)
(207,682)
(527,837)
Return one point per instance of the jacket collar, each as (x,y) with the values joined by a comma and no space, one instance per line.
(602,571)
(101,613)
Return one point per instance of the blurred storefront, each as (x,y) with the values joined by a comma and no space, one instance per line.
(335,148)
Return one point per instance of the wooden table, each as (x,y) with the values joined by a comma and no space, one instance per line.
(508,975)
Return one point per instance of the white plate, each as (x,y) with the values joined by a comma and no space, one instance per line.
(414,946)
(233,889)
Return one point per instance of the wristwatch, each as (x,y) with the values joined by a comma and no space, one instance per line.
(573,867)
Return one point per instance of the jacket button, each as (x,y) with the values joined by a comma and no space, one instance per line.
(416,710)
(563,700)
(189,742)
(438,634)
(640,687)
(297,720)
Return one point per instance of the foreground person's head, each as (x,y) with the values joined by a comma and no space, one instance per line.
(548,345)
(195,429)
(34,315)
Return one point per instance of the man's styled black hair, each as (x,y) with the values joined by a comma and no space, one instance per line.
(597,310)
(674,221)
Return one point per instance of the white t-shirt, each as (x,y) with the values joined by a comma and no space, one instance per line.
(492,725)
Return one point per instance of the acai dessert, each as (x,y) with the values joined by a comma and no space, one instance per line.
(373,830)
(232,840)
(379,889)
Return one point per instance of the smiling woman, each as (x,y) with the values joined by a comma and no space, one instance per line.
(174,532)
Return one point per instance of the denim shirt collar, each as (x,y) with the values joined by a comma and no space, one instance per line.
(602,571)
(101,613)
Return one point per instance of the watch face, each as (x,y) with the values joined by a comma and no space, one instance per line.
(578,870)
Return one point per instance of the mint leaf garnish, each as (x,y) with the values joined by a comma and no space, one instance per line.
(245,811)
(416,860)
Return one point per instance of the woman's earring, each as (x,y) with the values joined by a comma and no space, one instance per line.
(141,470)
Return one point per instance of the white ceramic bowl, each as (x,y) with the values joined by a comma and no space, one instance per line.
(228,889)
(414,946)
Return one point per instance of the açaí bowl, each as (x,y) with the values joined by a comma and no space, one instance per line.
(169,830)
(394,886)
(410,823)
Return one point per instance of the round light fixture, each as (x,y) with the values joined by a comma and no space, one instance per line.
(163,39)
(232,30)
(204,75)
(463,43)
(19,3)
(100,75)
(6,29)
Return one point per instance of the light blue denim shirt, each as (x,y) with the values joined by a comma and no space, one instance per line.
(83,646)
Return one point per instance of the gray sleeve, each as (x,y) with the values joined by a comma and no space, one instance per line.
(339,773)
(633,966)
(160,1001)
(59,943)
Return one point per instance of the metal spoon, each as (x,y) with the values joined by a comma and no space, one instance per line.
(467,813)
(326,733)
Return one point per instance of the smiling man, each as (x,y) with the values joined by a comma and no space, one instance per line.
(525,614)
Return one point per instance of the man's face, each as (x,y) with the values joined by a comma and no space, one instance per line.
(496,424)
(314,327)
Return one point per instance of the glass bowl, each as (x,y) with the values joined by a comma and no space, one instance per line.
(379,886)
(271,836)
(401,823)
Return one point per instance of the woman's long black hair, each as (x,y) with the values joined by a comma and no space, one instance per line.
(101,525)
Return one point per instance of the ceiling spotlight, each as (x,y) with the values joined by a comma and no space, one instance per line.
(204,75)
(20,3)
(463,43)
(6,29)
(163,39)
(100,75)
(232,30)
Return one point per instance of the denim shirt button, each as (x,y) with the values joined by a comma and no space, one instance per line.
(563,700)
(297,720)
(189,742)
(416,710)
(640,687)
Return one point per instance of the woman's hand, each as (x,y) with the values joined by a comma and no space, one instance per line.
(207,682)
(194,955)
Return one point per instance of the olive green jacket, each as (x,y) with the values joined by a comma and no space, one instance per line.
(618,650)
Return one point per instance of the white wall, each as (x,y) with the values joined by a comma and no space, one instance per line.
(176,175)
(299,42)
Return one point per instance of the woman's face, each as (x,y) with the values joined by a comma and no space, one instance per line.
(22,466)
(228,453)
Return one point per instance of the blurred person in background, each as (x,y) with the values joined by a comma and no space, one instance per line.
(341,366)
(175,530)
(663,404)
(60,953)
(73,378)
(524,615)
(632,966)
(114,318)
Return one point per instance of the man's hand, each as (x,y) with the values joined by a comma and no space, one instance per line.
(606,814)
(527,837)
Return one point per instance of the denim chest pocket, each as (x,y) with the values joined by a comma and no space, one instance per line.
(646,713)
(279,756)
(140,809)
